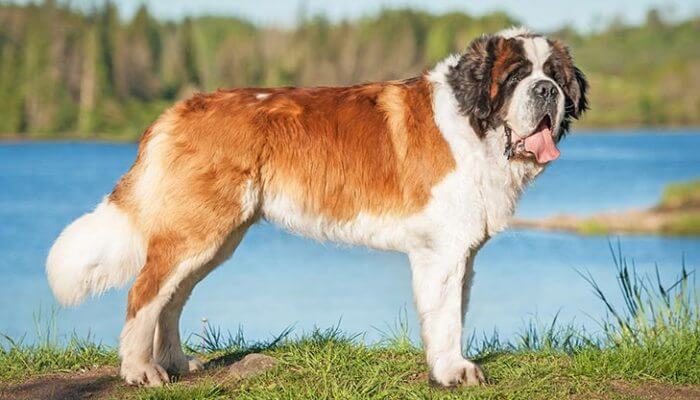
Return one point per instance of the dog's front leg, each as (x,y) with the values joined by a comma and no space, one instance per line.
(438,281)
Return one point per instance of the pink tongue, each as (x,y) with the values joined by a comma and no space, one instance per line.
(542,146)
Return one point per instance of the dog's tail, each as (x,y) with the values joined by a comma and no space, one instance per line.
(98,251)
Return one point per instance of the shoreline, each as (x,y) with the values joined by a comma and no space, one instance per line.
(676,214)
(654,221)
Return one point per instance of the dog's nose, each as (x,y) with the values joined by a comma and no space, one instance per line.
(546,90)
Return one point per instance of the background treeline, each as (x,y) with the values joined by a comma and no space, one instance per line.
(90,73)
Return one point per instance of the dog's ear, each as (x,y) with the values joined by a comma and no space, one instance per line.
(576,94)
(470,79)
(572,80)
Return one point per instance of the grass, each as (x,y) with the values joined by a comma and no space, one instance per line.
(593,227)
(49,354)
(684,197)
(681,195)
(652,342)
(656,335)
(686,224)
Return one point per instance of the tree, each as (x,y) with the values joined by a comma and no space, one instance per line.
(189,53)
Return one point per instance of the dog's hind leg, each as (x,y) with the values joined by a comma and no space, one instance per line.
(191,196)
(184,248)
(153,289)
(167,348)
(155,302)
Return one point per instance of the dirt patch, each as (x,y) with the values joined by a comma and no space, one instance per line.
(92,384)
(105,381)
(656,390)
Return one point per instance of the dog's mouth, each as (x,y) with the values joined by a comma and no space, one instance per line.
(539,142)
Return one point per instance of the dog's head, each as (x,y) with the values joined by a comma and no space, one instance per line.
(522,82)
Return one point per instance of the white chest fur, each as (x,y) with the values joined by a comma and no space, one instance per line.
(479,197)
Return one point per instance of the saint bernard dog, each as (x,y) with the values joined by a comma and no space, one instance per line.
(430,166)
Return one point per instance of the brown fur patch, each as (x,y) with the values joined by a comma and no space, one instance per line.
(392,103)
(351,145)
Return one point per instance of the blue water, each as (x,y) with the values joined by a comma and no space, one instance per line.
(275,280)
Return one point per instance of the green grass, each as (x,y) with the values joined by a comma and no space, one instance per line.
(49,354)
(593,227)
(681,195)
(207,389)
(686,224)
(653,339)
(684,197)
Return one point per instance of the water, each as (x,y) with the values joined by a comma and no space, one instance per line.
(276,280)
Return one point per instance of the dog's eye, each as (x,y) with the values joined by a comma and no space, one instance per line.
(514,77)
(514,73)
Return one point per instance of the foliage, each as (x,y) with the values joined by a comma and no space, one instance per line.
(593,226)
(657,332)
(685,224)
(87,72)
(681,195)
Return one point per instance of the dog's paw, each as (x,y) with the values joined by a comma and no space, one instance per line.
(179,364)
(460,372)
(144,374)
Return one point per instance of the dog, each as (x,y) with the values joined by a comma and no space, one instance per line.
(430,166)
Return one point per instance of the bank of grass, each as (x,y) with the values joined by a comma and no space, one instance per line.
(652,342)
(684,198)
(685,224)
(681,195)
(593,227)
(676,214)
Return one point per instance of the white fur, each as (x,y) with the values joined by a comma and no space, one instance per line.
(514,31)
(249,201)
(147,189)
(98,251)
(380,232)
(537,50)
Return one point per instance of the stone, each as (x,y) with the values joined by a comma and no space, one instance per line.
(251,365)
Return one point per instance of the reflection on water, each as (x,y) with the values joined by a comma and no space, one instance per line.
(276,280)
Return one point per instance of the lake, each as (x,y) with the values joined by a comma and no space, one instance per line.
(275,280)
